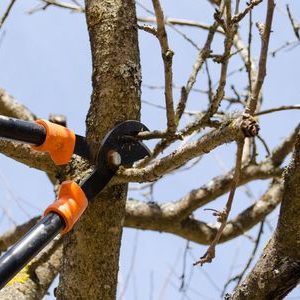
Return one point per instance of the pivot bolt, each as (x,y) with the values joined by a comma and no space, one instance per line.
(114,159)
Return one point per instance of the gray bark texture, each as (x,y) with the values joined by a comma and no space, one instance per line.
(91,251)
(277,271)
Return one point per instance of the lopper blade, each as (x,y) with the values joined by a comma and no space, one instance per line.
(121,140)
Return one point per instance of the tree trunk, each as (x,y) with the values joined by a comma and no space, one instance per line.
(277,271)
(91,250)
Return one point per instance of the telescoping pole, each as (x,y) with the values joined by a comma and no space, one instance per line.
(23,131)
(59,217)
(59,141)
(24,250)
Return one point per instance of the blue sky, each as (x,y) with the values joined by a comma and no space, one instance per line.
(46,64)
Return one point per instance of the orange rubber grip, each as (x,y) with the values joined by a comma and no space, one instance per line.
(59,142)
(70,205)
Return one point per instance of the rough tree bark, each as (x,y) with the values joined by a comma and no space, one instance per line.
(91,251)
(277,271)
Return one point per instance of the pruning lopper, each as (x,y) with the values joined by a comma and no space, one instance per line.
(119,147)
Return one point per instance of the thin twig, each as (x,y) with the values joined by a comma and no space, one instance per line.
(280,108)
(155,134)
(201,58)
(228,42)
(295,26)
(161,87)
(283,149)
(168,277)
(6,13)
(167,55)
(188,113)
(181,22)
(290,44)
(153,20)
(237,7)
(265,31)
(240,276)
(237,18)
(148,28)
(66,5)
(191,23)
(265,145)
(209,83)
(249,61)
(223,216)
(182,277)
(73,8)
(131,268)
(260,232)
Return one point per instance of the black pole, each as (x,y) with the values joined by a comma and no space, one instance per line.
(23,131)
(12,261)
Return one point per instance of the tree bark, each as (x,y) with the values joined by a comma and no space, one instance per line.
(278,270)
(91,250)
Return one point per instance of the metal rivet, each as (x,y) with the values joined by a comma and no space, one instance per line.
(114,159)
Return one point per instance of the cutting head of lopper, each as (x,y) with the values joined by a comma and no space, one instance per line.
(121,139)
(119,147)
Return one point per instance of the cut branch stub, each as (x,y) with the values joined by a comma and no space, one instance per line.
(249,126)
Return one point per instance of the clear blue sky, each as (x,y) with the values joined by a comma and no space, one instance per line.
(45,64)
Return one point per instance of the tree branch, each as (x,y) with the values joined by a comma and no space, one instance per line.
(237,18)
(59,4)
(167,55)
(222,216)
(6,13)
(11,108)
(277,271)
(237,41)
(201,58)
(225,134)
(150,216)
(265,31)
(282,150)
(144,213)
(21,152)
(182,22)
(280,108)
(293,23)
(25,155)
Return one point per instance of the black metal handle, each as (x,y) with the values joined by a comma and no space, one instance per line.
(23,131)
(12,261)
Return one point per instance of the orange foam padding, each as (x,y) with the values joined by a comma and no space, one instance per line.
(59,142)
(70,205)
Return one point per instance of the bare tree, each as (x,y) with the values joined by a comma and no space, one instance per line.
(89,259)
